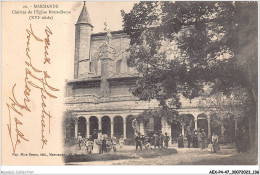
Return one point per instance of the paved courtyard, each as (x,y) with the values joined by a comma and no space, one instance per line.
(173,156)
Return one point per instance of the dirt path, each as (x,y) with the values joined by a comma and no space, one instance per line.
(185,156)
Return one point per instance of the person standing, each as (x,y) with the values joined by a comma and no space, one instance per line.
(161,138)
(156,140)
(138,142)
(199,135)
(195,139)
(94,135)
(99,141)
(166,140)
(113,140)
(104,145)
(203,138)
(188,136)
(121,141)
(215,144)
(180,141)
(80,140)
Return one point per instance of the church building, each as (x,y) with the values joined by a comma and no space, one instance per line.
(99,97)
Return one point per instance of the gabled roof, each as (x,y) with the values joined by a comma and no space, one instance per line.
(84,16)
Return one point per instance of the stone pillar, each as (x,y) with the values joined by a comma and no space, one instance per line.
(100,125)
(86,135)
(88,128)
(209,131)
(196,122)
(141,127)
(163,124)
(182,129)
(169,132)
(112,128)
(76,128)
(124,128)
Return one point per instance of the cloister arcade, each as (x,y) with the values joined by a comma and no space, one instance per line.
(116,125)
(122,125)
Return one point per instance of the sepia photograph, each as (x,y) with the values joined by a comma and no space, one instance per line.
(177,85)
(129,84)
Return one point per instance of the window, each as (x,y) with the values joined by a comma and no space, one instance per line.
(90,66)
(118,66)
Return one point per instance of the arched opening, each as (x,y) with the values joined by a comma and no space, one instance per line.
(130,132)
(157,124)
(118,126)
(203,122)
(106,125)
(175,131)
(190,121)
(93,124)
(118,66)
(82,126)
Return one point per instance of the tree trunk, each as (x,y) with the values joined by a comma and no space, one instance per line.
(253,119)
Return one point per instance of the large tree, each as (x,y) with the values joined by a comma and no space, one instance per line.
(217,45)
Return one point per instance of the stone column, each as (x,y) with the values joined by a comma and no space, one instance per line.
(88,128)
(209,131)
(112,129)
(163,125)
(196,122)
(76,128)
(169,132)
(141,127)
(182,129)
(124,128)
(100,125)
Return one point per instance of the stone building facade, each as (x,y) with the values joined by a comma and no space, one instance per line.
(99,96)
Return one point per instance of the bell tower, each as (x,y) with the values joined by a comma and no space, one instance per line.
(83,33)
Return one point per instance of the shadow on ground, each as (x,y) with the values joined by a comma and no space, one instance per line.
(237,159)
(119,155)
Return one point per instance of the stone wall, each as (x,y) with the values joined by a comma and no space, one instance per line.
(120,42)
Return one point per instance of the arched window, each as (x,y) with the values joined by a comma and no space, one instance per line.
(118,66)
(90,66)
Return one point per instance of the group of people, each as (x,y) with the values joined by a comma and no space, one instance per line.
(99,143)
(158,139)
(198,139)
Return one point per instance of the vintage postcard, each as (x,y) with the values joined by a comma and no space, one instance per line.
(129,83)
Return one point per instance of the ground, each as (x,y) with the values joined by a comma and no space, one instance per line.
(173,156)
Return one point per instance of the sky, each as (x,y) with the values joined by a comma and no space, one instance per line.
(109,12)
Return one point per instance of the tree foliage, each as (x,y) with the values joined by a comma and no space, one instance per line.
(170,115)
(217,46)
(205,33)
